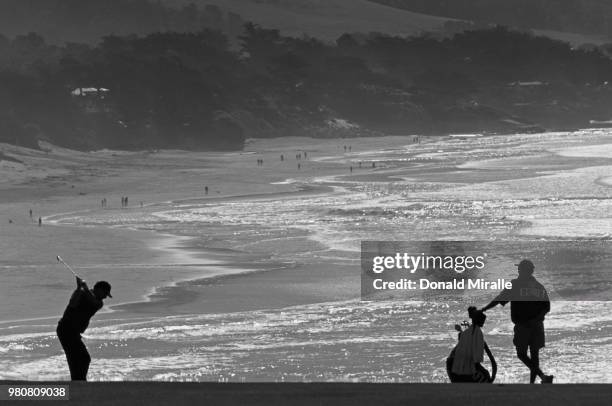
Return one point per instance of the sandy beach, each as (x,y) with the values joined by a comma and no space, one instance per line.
(258,280)
(68,186)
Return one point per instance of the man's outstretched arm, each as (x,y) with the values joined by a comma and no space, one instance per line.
(490,305)
(501,299)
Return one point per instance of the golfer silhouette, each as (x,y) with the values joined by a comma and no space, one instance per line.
(84,303)
(529,304)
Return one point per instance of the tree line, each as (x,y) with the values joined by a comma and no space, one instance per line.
(195,90)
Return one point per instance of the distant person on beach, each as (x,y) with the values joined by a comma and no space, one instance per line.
(30,213)
(39,221)
(126,201)
(205,190)
(84,303)
(529,305)
(464,362)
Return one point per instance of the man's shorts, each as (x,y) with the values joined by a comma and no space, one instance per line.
(529,335)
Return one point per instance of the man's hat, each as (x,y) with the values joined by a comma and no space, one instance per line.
(526,265)
(105,286)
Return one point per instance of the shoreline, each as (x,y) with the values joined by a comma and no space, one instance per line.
(164,245)
(219,264)
(177,246)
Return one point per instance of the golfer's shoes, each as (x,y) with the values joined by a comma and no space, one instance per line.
(547,379)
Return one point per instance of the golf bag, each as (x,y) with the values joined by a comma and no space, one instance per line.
(481,375)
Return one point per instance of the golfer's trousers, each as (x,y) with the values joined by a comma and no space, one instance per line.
(76,353)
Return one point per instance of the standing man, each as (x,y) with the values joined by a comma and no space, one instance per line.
(84,303)
(529,304)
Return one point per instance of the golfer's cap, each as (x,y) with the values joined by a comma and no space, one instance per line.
(104,286)
(525,264)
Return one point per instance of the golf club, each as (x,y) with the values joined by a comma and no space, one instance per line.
(59,259)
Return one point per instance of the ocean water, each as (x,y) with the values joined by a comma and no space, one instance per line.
(519,187)
(340,341)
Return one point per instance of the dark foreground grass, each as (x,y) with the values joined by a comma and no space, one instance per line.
(266,394)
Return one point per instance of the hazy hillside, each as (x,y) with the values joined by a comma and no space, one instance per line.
(60,21)
(579,16)
(306,67)
(325,19)
(192,90)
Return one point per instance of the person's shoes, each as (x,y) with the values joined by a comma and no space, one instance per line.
(547,379)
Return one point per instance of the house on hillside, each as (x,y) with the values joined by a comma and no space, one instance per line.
(90,92)
(92,99)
